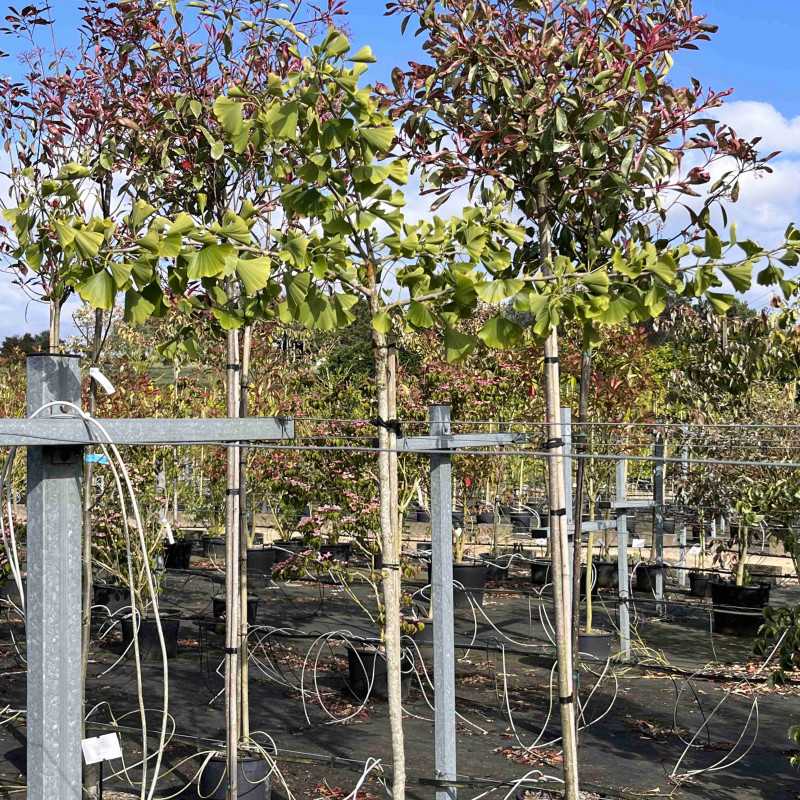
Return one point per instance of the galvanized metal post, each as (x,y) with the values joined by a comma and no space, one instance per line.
(658,515)
(566,436)
(442,602)
(622,563)
(53,616)
(683,573)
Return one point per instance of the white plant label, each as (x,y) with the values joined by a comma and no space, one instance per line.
(101,748)
(637,544)
(540,542)
(694,550)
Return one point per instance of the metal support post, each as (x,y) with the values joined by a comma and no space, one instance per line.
(683,573)
(53,611)
(566,435)
(622,563)
(658,516)
(442,602)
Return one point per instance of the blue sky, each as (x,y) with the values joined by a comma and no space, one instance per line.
(755,52)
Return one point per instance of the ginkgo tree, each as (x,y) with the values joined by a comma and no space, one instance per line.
(347,242)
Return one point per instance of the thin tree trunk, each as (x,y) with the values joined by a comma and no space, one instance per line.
(580,480)
(244,660)
(558,530)
(55,326)
(232,546)
(387,440)
(744,540)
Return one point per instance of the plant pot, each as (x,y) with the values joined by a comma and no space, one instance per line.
(149,645)
(214,547)
(457,518)
(606,575)
(596,646)
(521,521)
(472,578)
(541,573)
(112,597)
(252,780)
(700,583)
(285,549)
(424,547)
(739,610)
(178,555)
(423,515)
(259,563)
(218,608)
(9,591)
(496,566)
(485,518)
(340,551)
(645,577)
(367,674)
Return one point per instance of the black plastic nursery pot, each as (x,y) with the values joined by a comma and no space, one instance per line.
(541,573)
(340,551)
(472,578)
(178,555)
(367,674)
(645,577)
(112,597)
(424,547)
(521,521)
(9,591)
(218,608)
(213,547)
(739,610)
(259,564)
(423,515)
(607,574)
(596,646)
(149,645)
(284,549)
(496,565)
(485,518)
(457,518)
(253,779)
(700,583)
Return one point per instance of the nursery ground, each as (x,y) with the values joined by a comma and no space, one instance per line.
(631,751)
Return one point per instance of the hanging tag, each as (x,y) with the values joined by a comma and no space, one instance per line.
(540,542)
(101,748)
(637,544)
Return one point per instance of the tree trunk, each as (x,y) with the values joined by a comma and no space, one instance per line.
(558,531)
(54,344)
(744,540)
(244,660)
(387,440)
(232,545)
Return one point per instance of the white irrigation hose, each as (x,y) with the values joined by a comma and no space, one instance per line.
(719,765)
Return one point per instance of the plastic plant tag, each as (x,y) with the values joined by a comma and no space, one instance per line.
(694,550)
(637,544)
(101,748)
(540,542)
(96,458)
